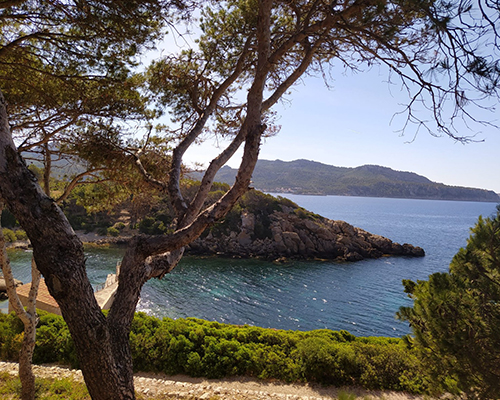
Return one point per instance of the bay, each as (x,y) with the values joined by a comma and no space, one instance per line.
(360,297)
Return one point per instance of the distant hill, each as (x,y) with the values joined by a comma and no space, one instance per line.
(310,177)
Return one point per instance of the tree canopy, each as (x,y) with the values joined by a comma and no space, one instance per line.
(67,73)
(67,76)
(455,318)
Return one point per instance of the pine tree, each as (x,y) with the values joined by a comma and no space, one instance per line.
(455,318)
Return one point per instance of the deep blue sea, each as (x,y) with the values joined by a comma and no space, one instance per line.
(360,297)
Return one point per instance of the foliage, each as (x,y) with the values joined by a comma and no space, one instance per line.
(112,231)
(214,350)
(9,234)
(150,226)
(13,235)
(20,234)
(53,341)
(455,318)
(67,76)
(11,336)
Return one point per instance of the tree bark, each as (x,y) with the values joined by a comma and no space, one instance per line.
(59,256)
(28,318)
(26,374)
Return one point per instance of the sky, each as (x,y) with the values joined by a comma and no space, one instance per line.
(353,122)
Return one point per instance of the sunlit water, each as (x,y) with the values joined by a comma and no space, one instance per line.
(360,297)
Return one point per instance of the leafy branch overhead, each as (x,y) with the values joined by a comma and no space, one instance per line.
(435,48)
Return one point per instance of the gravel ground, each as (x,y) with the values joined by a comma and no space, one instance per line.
(183,387)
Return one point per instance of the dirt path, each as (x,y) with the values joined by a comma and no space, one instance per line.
(183,387)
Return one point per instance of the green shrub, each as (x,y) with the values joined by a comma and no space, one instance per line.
(9,235)
(112,232)
(214,350)
(150,226)
(11,336)
(383,366)
(21,235)
(53,341)
(302,213)
(327,362)
(120,226)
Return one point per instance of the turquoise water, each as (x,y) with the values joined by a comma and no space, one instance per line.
(360,297)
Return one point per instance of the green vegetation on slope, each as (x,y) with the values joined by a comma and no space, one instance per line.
(309,177)
(214,350)
(153,214)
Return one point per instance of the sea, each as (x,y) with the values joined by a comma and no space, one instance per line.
(360,297)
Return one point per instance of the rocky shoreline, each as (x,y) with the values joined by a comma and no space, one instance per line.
(287,234)
(291,237)
(301,237)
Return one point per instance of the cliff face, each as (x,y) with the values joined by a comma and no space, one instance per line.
(300,235)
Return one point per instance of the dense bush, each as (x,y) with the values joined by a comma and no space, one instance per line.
(13,235)
(53,340)
(213,350)
(111,231)
(455,317)
(151,226)
(21,234)
(9,235)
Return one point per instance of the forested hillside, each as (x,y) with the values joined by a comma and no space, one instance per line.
(310,177)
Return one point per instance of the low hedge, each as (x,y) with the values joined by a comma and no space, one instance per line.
(214,350)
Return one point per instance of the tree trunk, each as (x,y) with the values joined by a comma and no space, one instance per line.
(26,354)
(28,317)
(59,256)
(26,375)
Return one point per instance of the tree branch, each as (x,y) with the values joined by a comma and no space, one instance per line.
(175,172)
(73,183)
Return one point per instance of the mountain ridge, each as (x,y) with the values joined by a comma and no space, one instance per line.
(315,178)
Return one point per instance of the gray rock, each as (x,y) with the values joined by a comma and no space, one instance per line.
(302,238)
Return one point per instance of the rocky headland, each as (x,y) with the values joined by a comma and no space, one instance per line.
(295,233)
(273,228)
